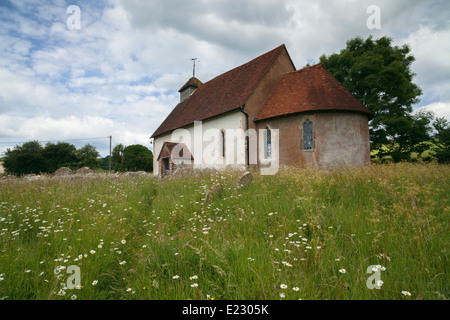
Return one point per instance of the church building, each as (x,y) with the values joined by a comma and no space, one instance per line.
(264,114)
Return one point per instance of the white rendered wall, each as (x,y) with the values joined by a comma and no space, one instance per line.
(205,144)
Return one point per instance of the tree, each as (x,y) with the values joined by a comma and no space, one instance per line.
(25,159)
(380,76)
(117,157)
(442,140)
(137,157)
(105,163)
(61,154)
(88,156)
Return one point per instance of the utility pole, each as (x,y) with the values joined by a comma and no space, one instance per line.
(110,141)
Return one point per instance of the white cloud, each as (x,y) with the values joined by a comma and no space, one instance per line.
(119,75)
(440,109)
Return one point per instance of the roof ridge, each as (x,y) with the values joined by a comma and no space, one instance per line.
(224,93)
(316,90)
(247,63)
(279,48)
(314,66)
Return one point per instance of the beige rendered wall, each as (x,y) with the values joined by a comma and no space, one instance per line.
(340,139)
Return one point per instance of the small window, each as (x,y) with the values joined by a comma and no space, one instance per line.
(222,136)
(268,143)
(308,136)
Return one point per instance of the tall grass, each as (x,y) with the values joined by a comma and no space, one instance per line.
(301,234)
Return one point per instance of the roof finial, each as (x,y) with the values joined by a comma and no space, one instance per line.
(194,60)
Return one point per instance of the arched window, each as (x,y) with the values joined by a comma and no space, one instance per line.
(268,143)
(308,135)
(222,140)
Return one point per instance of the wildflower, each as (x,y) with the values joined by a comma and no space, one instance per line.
(122,263)
(406,293)
(61,292)
(342,271)
(175,277)
(100,246)
(296,288)
(129,290)
(123,241)
(94,282)
(283,286)
(282,295)
(92,251)
(73,297)
(380,283)
(193,277)
(194,285)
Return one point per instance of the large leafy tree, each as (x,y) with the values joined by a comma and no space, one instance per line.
(61,154)
(25,159)
(442,140)
(137,157)
(117,157)
(380,76)
(88,156)
(31,157)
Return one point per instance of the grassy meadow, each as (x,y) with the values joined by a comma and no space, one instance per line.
(301,234)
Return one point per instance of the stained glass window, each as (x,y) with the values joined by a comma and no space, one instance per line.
(308,137)
(223,142)
(268,144)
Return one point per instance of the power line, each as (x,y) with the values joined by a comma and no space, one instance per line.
(61,140)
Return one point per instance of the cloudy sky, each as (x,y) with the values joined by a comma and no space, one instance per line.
(118,71)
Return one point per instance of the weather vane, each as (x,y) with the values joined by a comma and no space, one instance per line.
(194,60)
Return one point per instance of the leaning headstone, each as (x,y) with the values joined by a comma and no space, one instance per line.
(214,191)
(244,180)
(62,172)
(33,177)
(85,171)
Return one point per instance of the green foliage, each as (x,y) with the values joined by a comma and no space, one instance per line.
(138,238)
(137,158)
(117,157)
(25,159)
(32,158)
(379,75)
(61,154)
(88,156)
(132,158)
(442,140)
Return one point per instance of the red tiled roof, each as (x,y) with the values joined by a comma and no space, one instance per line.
(222,94)
(309,89)
(192,82)
(167,148)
